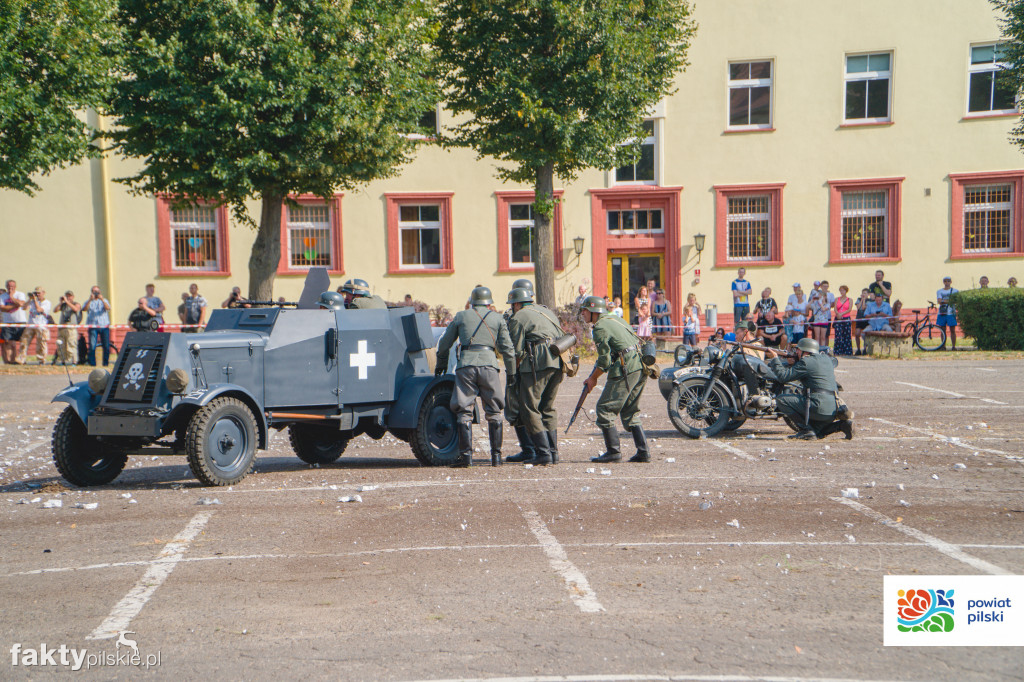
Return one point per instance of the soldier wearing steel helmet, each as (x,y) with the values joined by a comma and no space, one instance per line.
(539,373)
(816,372)
(483,336)
(618,354)
(512,410)
(357,296)
(331,300)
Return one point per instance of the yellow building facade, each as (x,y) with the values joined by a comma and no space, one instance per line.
(805,141)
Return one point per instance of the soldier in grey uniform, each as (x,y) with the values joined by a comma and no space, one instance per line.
(817,374)
(483,335)
(539,372)
(512,410)
(331,300)
(357,295)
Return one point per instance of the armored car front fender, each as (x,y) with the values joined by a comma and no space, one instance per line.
(80,398)
(406,410)
(190,402)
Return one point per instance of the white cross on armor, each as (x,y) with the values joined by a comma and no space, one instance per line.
(362,359)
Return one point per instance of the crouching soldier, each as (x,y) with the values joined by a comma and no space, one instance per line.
(618,354)
(513,412)
(817,412)
(483,335)
(538,374)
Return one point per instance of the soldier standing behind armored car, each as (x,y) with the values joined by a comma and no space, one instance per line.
(618,354)
(357,295)
(539,372)
(483,335)
(513,412)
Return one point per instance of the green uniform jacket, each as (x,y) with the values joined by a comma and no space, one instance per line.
(535,325)
(369,303)
(493,333)
(814,372)
(615,341)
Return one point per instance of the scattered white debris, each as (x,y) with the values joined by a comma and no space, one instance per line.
(848,525)
(350,498)
(901,486)
(828,447)
(126,496)
(935,476)
(705,505)
(133,501)
(591,470)
(751,436)
(527,466)
(734,523)
(694,493)
(851,493)
(904,503)
(959,466)
(849,538)
(983,425)
(871,485)
(366,488)
(606,472)
(584,489)
(670,460)
(87,505)
(206,501)
(52,504)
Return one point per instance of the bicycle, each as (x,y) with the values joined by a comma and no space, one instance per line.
(928,336)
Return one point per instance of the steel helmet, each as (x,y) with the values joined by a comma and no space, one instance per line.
(520,295)
(331,300)
(808,345)
(523,284)
(356,287)
(481,296)
(595,304)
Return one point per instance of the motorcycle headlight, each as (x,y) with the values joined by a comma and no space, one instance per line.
(98,380)
(680,355)
(177,381)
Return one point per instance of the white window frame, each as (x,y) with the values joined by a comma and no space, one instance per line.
(993,67)
(731,218)
(514,224)
(989,206)
(845,213)
(651,140)
(307,225)
(748,83)
(635,232)
(869,76)
(419,225)
(192,230)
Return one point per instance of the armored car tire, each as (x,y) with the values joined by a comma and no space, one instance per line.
(84,460)
(220,442)
(694,418)
(316,444)
(435,440)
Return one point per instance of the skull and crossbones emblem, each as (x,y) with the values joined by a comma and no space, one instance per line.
(134,377)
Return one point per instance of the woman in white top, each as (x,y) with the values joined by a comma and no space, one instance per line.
(821,313)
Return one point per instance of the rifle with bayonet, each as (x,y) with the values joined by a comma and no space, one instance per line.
(579,405)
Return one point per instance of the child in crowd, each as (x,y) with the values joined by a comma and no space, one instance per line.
(691,326)
(796,322)
(617,307)
(643,327)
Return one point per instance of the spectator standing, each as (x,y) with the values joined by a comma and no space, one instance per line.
(862,322)
(181,308)
(38,317)
(643,327)
(195,310)
(582,296)
(691,326)
(766,303)
(691,300)
(797,327)
(97,317)
(661,311)
(643,297)
(69,317)
(741,291)
(617,307)
(13,304)
(793,296)
(234,297)
(155,304)
(983,282)
(653,289)
(947,311)
(408,302)
(844,310)
(880,286)
(821,309)
(878,313)
(1012,282)
(139,319)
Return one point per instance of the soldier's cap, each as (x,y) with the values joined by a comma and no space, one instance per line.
(748,325)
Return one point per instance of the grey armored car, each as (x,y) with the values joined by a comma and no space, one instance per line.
(325,375)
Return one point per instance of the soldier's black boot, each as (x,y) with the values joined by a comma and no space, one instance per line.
(494,433)
(553,444)
(543,450)
(844,427)
(640,439)
(611,444)
(527,454)
(465,445)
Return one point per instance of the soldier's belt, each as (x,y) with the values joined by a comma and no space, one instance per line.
(477,346)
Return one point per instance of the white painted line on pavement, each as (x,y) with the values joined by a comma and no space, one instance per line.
(955,395)
(730,449)
(670,677)
(942,546)
(952,441)
(984,369)
(155,575)
(575,581)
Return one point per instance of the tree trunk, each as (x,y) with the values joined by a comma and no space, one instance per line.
(266,250)
(544,263)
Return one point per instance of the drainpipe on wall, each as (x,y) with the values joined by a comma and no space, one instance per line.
(107,229)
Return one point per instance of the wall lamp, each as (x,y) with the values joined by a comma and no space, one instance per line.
(577,246)
(698,243)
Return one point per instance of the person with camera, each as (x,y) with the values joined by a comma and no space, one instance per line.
(97,317)
(143,318)
(235,299)
(12,304)
(37,331)
(70,317)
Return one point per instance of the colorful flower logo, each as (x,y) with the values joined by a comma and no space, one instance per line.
(925,611)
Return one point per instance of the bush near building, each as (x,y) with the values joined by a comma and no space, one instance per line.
(993,317)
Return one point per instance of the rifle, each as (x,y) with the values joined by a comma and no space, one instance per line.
(756,346)
(579,406)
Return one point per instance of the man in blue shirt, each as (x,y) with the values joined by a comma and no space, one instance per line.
(97,317)
(877,313)
(154,302)
(947,312)
(741,290)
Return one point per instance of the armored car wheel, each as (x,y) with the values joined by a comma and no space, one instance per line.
(316,444)
(694,418)
(221,442)
(435,440)
(80,458)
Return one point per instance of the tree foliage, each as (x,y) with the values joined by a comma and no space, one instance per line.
(1011,21)
(232,100)
(54,64)
(994,318)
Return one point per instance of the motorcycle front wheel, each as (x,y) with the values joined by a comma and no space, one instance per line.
(693,417)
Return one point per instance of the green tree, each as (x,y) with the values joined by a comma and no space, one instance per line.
(551,87)
(232,100)
(1011,21)
(53,66)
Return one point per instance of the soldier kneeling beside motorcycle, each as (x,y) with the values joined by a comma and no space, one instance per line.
(819,412)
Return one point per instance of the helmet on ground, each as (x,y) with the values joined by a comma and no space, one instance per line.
(331,300)
(481,296)
(523,284)
(808,345)
(356,287)
(595,304)
(520,295)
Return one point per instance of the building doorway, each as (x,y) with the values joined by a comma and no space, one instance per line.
(627,272)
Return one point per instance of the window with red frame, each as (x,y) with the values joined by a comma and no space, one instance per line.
(988,218)
(865,224)
(310,242)
(748,227)
(194,234)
